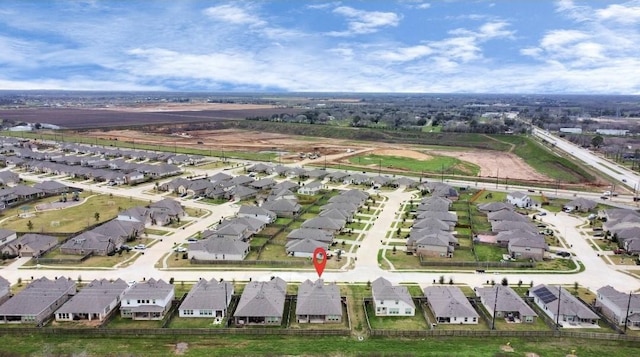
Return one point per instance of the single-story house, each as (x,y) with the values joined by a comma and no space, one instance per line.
(318,303)
(30,245)
(562,307)
(38,301)
(519,199)
(218,249)
(450,306)
(507,303)
(261,303)
(95,301)
(207,298)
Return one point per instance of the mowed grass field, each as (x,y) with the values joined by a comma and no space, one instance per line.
(71,219)
(234,345)
(436,164)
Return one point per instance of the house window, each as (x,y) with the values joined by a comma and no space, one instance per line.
(466,319)
(407,311)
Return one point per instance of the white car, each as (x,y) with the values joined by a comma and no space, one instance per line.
(140,247)
(180,250)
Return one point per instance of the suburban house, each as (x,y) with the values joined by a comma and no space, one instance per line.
(7,236)
(431,243)
(528,248)
(390,300)
(507,304)
(519,199)
(215,248)
(318,303)
(148,300)
(52,188)
(283,208)
(311,188)
(324,223)
(304,248)
(450,306)
(8,178)
(259,213)
(619,306)
(30,245)
(90,242)
(95,301)
(580,204)
(207,298)
(562,307)
(165,211)
(310,233)
(5,290)
(261,303)
(495,206)
(38,301)
(139,214)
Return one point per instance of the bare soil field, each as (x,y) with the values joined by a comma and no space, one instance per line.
(497,164)
(503,164)
(73,118)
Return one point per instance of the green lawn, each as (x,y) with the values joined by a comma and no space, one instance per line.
(489,253)
(436,164)
(416,322)
(195,322)
(71,219)
(239,345)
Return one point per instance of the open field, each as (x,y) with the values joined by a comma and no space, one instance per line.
(72,219)
(238,345)
(140,115)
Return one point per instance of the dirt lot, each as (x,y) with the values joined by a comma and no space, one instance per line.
(490,162)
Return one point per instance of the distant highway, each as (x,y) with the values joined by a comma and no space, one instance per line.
(620,174)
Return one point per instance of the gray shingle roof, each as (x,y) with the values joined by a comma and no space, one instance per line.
(262,299)
(316,298)
(151,289)
(508,300)
(37,297)
(95,297)
(311,233)
(306,245)
(569,305)
(449,301)
(224,245)
(208,295)
(382,289)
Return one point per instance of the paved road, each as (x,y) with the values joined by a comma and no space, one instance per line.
(622,175)
(366,268)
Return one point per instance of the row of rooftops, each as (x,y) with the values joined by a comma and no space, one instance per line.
(314,298)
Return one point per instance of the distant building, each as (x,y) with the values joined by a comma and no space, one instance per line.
(571,130)
(615,132)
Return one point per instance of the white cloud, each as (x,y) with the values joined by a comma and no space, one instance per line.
(620,13)
(404,54)
(364,22)
(233,15)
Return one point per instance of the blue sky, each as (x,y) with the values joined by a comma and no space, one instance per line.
(445,46)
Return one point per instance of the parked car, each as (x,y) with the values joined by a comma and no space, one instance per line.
(180,249)
(542,214)
(619,251)
(563,254)
(140,247)
(192,239)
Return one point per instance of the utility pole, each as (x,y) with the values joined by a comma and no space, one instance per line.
(495,306)
(627,316)
(497,176)
(558,312)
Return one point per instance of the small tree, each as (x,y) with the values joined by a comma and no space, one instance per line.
(96,216)
(441,279)
(368,284)
(19,281)
(30,225)
(520,283)
(394,250)
(575,286)
(79,279)
(171,280)
(504,282)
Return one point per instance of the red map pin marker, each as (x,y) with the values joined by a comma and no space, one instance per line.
(319,264)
